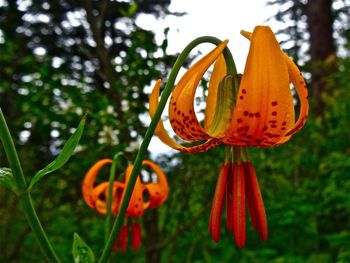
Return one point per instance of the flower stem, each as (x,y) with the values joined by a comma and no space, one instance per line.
(150,131)
(24,195)
(116,160)
(110,198)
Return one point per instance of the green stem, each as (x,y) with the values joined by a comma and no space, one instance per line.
(24,195)
(150,131)
(116,160)
(110,198)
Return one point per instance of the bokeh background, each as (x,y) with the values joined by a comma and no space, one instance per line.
(60,59)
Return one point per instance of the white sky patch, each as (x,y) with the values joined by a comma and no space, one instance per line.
(220,18)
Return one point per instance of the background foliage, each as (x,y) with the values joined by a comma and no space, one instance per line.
(60,59)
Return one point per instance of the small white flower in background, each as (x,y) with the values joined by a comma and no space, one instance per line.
(79,148)
(110,110)
(133,146)
(108,136)
(66,105)
(125,105)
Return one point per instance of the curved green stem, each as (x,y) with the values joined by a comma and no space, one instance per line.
(150,131)
(24,195)
(116,160)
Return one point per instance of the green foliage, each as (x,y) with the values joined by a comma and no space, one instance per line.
(63,156)
(81,251)
(6,179)
(305,182)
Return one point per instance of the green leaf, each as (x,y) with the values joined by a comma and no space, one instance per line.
(81,251)
(6,179)
(225,103)
(64,155)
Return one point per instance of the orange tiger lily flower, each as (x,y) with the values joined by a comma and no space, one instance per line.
(96,197)
(261,113)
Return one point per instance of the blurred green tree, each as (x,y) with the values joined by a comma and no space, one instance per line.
(60,59)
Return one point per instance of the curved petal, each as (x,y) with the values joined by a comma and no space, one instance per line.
(157,197)
(135,207)
(264,110)
(101,204)
(181,109)
(218,73)
(89,181)
(161,178)
(301,89)
(163,134)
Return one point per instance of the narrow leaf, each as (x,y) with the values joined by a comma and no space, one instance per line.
(6,179)
(81,251)
(64,155)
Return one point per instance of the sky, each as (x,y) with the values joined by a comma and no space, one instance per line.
(220,18)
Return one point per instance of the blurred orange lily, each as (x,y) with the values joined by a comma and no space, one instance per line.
(96,197)
(260,113)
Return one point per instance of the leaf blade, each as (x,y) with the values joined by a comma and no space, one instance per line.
(63,156)
(82,253)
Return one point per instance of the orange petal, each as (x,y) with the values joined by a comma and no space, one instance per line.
(239,220)
(163,134)
(255,201)
(89,180)
(155,194)
(301,89)
(216,208)
(181,109)
(101,204)
(136,236)
(161,178)
(135,207)
(264,109)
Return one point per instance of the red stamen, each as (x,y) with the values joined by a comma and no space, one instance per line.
(116,244)
(136,235)
(216,208)
(229,198)
(239,220)
(255,202)
(123,238)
